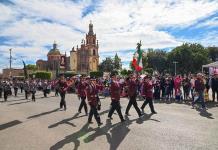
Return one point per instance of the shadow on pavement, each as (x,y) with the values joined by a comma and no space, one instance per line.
(66,121)
(204,113)
(19,103)
(42,114)
(146,117)
(115,134)
(211,104)
(10,124)
(73,138)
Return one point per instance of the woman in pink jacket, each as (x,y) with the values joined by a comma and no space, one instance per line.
(177,84)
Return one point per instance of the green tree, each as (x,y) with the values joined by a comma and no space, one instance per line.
(190,58)
(117,62)
(213,53)
(107,65)
(124,72)
(31,67)
(157,59)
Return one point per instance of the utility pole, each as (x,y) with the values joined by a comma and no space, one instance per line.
(175,62)
(10,58)
(10,61)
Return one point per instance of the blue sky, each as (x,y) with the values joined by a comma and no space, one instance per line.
(30,27)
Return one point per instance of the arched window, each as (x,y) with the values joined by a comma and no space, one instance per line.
(94,52)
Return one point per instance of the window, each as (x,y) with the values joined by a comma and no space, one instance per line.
(93,52)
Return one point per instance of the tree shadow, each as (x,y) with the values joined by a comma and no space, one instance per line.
(42,114)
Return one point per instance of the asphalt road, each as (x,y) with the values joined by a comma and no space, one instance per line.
(40,125)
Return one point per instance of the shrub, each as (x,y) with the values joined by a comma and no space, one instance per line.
(43,75)
(96,74)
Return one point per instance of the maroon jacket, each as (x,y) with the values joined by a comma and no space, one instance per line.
(132,88)
(81,89)
(147,88)
(115,91)
(199,85)
(62,86)
(91,93)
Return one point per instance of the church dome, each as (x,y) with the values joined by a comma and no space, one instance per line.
(54,50)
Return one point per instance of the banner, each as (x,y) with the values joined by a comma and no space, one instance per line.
(63,62)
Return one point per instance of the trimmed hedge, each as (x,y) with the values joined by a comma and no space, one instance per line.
(43,75)
(96,74)
(67,74)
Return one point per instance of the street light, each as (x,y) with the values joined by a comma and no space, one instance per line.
(175,62)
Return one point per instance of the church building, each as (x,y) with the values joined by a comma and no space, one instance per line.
(85,59)
(53,60)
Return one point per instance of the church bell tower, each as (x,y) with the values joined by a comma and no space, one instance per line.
(92,45)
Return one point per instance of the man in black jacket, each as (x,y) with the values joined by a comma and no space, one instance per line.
(214,86)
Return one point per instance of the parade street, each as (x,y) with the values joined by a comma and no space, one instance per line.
(41,125)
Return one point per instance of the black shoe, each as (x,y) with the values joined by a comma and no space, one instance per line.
(154,112)
(99,124)
(142,111)
(123,120)
(110,118)
(140,115)
(90,122)
(127,114)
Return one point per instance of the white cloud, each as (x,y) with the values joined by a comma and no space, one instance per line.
(208,23)
(210,39)
(119,24)
(6,13)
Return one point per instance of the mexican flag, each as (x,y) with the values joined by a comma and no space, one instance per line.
(137,60)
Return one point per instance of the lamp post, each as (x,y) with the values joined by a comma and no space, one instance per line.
(175,62)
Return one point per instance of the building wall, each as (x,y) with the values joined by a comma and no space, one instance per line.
(73,61)
(14,72)
(85,59)
(41,65)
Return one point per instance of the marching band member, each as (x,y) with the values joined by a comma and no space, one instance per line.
(132,93)
(62,84)
(6,89)
(15,85)
(147,93)
(26,88)
(91,92)
(115,89)
(33,89)
(1,88)
(81,86)
(44,88)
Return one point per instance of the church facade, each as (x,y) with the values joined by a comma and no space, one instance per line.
(85,59)
(53,60)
